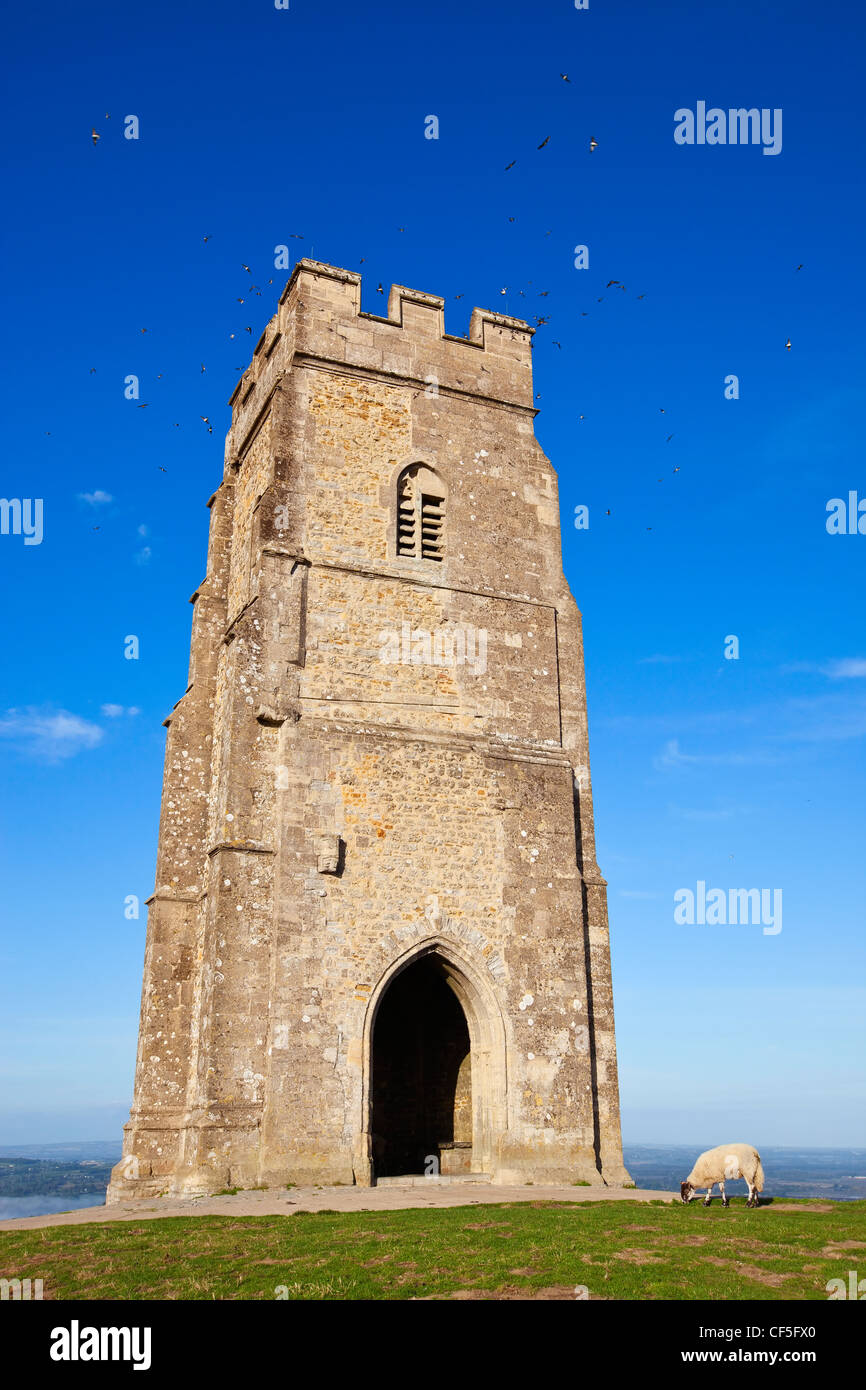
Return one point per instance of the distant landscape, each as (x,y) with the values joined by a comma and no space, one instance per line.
(38,1179)
(839,1174)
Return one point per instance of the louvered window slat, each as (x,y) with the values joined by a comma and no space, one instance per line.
(420,515)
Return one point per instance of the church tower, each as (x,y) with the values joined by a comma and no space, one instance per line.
(378,943)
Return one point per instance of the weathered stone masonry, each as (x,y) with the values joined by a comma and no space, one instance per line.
(332,820)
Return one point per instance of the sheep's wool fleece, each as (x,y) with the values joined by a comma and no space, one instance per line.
(728,1161)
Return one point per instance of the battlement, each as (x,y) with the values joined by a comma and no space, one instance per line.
(319,321)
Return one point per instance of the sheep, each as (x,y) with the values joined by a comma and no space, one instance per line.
(717,1165)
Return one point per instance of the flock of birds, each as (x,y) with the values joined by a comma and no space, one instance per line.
(540,320)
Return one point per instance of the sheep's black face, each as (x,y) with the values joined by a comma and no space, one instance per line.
(686,1191)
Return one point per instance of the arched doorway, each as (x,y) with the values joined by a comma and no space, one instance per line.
(421,1084)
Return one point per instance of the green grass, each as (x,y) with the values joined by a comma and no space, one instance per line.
(622,1250)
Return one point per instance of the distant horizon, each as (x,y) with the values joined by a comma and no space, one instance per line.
(626,1143)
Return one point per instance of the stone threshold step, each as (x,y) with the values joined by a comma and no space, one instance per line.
(440,1180)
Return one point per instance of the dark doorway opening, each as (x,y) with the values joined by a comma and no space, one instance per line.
(422,1080)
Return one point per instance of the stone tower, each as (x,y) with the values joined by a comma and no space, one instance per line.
(378,943)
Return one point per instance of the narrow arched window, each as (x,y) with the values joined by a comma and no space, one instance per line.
(420,514)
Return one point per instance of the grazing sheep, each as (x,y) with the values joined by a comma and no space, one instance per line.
(718,1165)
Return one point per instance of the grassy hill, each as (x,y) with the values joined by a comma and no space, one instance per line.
(616,1250)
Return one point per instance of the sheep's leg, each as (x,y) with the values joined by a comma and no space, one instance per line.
(709,1196)
(753,1194)
(725,1200)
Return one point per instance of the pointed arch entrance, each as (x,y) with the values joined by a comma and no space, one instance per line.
(434,1066)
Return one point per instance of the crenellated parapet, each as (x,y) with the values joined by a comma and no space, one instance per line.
(320,320)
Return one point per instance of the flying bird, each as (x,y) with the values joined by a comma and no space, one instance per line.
(144,330)
(295,236)
(458,296)
(379,289)
(401,229)
(611,282)
(640,296)
(92,370)
(205,419)
(511,165)
(512,219)
(161,469)
(94,137)
(246,268)
(555,343)
(798,267)
(669,438)
(593,143)
(142,405)
(205,238)
(203,367)
(565,77)
(788,345)
(544,142)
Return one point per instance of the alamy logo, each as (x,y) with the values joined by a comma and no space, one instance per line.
(738,907)
(458,646)
(740,126)
(846,519)
(22,516)
(20,1290)
(856,1288)
(76,1343)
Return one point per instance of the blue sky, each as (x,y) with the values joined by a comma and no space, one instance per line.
(257,124)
